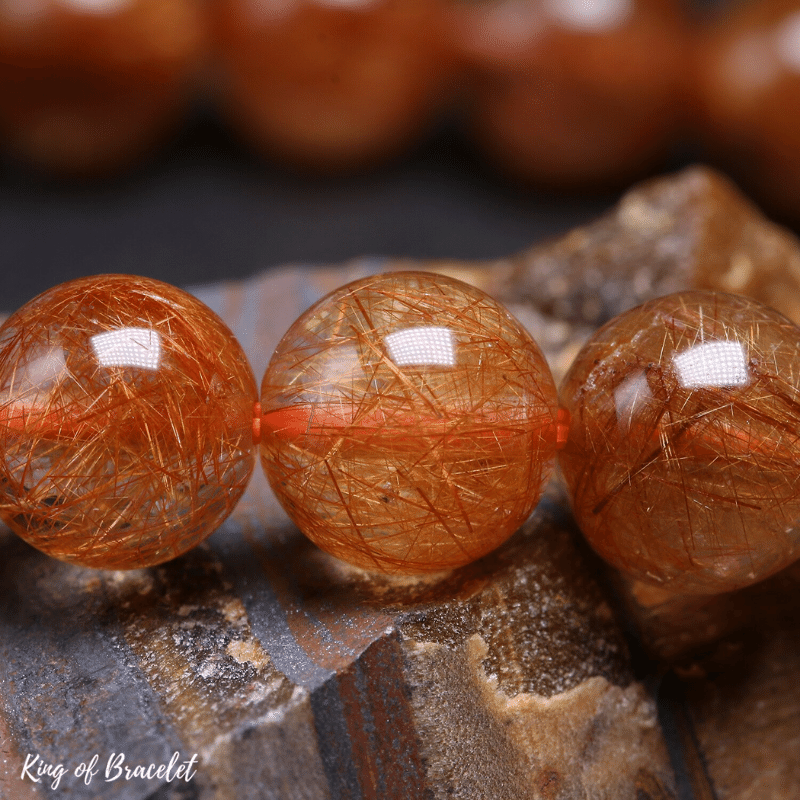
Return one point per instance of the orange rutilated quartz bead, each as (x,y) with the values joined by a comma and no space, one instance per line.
(409,423)
(683,458)
(125,422)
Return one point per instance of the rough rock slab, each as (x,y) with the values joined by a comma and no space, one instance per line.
(746,721)
(293,676)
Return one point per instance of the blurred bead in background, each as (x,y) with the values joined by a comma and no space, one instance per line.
(330,85)
(748,97)
(576,93)
(87,86)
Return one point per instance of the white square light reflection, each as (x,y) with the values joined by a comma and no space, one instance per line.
(424,346)
(712,365)
(128,347)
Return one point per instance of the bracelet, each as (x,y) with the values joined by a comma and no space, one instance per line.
(407,423)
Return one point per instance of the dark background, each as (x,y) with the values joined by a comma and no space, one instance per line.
(204,208)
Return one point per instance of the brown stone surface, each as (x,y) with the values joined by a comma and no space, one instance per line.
(11,788)
(291,675)
(720,624)
(746,719)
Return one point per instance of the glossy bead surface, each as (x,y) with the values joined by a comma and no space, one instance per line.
(409,423)
(331,86)
(87,86)
(572,94)
(125,422)
(683,458)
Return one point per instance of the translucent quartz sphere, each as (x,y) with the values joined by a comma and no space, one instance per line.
(409,423)
(125,422)
(683,458)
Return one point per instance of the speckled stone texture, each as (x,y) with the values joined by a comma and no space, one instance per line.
(745,718)
(292,676)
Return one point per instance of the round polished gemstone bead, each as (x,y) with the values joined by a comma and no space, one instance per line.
(86,86)
(331,86)
(747,81)
(683,458)
(126,415)
(575,93)
(409,423)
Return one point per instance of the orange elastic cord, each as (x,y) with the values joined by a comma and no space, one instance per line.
(562,428)
(304,421)
(257,423)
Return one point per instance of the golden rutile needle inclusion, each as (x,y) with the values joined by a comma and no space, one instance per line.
(125,422)
(409,423)
(683,456)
